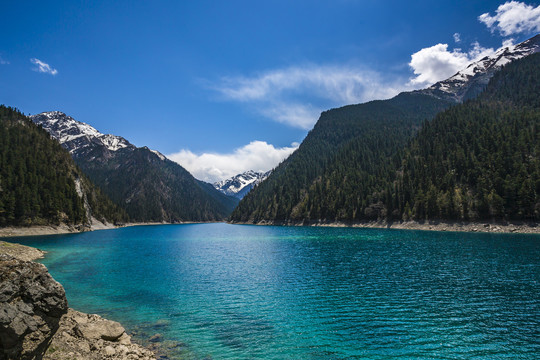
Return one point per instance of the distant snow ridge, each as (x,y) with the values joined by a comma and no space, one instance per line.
(239,185)
(470,81)
(80,138)
(76,134)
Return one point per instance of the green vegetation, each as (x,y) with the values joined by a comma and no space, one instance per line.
(37,179)
(481,159)
(336,169)
(475,161)
(152,190)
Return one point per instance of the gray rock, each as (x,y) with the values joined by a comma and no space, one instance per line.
(31,304)
(100,329)
(109,350)
(35,322)
(94,338)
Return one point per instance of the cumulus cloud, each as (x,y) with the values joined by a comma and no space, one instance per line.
(513,17)
(437,63)
(457,37)
(281,94)
(212,167)
(43,67)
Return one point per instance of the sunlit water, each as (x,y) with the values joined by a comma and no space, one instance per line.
(246,292)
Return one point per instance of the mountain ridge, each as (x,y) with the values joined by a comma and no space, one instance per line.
(40,185)
(469,82)
(335,175)
(149,186)
(240,184)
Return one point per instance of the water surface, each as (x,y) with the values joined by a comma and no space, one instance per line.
(224,291)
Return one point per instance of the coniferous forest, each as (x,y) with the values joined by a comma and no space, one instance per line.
(38,179)
(397,160)
(412,157)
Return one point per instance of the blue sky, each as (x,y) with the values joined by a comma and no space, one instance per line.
(224,86)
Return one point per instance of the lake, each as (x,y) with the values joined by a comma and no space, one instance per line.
(221,291)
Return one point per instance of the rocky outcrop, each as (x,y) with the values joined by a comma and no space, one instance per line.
(21,252)
(90,337)
(36,323)
(31,305)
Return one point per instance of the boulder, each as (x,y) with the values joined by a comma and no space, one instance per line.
(92,337)
(94,328)
(31,305)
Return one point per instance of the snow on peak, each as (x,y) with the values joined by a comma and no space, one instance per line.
(239,185)
(74,134)
(469,81)
(160,155)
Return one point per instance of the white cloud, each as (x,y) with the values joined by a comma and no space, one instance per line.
(508,42)
(437,63)
(43,67)
(3,62)
(293,114)
(457,37)
(212,167)
(281,94)
(513,17)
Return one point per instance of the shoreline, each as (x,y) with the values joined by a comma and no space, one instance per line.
(441,226)
(76,334)
(43,230)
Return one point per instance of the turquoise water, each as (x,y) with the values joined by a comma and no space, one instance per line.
(224,291)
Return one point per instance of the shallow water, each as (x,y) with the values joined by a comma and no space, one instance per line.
(225,291)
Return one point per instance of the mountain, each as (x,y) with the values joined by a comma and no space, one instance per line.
(307,186)
(351,164)
(150,187)
(469,82)
(239,185)
(479,160)
(39,182)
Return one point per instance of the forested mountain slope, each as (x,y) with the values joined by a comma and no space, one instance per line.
(360,142)
(39,182)
(477,160)
(150,187)
(481,159)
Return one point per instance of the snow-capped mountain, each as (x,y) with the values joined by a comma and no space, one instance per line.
(77,137)
(239,185)
(144,182)
(469,82)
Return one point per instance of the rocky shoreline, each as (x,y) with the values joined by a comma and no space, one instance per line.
(36,323)
(12,231)
(494,227)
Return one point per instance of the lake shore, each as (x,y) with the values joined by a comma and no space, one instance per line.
(493,227)
(14,231)
(62,333)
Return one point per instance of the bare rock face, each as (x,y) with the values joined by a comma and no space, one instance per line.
(31,305)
